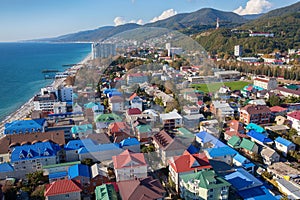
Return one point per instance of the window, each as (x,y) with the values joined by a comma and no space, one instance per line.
(67,195)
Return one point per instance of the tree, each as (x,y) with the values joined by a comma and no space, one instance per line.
(274,100)
(36,178)
(172,105)
(87,161)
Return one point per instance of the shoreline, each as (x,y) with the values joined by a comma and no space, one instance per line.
(27,107)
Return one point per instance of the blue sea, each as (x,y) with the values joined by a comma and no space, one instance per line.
(21,66)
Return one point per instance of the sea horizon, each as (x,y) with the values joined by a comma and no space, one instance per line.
(22,78)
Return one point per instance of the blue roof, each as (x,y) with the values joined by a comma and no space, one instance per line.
(23,126)
(221,151)
(33,151)
(6,167)
(77,144)
(258,136)
(106,91)
(57,175)
(283,141)
(91,104)
(243,160)
(257,193)
(97,148)
(129,142)
(241,180)
(255,127)
(114,93)
(192,149)
(78,170)
(206,137)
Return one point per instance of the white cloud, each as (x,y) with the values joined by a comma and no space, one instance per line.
(166,14)
(121,20)
(254,7)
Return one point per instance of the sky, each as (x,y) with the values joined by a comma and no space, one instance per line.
(33,19)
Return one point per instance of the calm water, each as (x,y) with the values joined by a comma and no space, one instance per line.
(21,66)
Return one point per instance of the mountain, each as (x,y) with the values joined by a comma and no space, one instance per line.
(99,34)
(188,23)
(283,22)
(252,16)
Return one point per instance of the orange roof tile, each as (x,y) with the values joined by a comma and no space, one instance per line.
(133,159)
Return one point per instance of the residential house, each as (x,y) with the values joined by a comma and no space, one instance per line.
(241,161)
(294,117)
(203,185)
(224,154)
(186,163)
(119,131)
(143,132)
(259,138)
(211,126)
(72,147)
(255,114)
(247,186)
(99,176)
(192,121)
(235,128)
(269,156)
(103,120)
(79,131)
(44,102)
(25,126)
(136,102)
(63,189)
(171,120)
(166,146)
(129,166)
(132,144)
(191,110)
(145,188)
(136,78)
(82,174)
(106,192)
(284,145)
(116,103)
(30,158)
(59,107)
(207,140)
(278,111)
(99,153)
(291,190)
(221,109)
(265,82)
(286,92)
(7,170)
(58,168)
(92,110)
(132,114)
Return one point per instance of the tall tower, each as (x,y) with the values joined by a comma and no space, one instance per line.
(217,25)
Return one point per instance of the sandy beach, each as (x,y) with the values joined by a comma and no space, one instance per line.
(28,107)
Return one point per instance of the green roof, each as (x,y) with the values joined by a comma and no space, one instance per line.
(292,87)
(110,117)
(81,128)
(185,132)
(106,192)
(247,144)
(143,128)
(234,141)
(61,165)
(257,128)
(207,179)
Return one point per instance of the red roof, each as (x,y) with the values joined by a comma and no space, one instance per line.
(128,159)
(232,133)
(189,162)
(236,125)
(134,111)
(116,99)
(118,127)
(277,109)
(132,96)
(295,115)
(62,187)
(262,80)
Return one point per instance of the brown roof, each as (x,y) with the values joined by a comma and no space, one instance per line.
(166,142)
(100,138)
(256,109)
(236,125)
(141,189)
(116,99)
(57,137)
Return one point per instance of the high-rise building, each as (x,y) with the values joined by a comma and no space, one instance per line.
(103,50)
(238,50)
